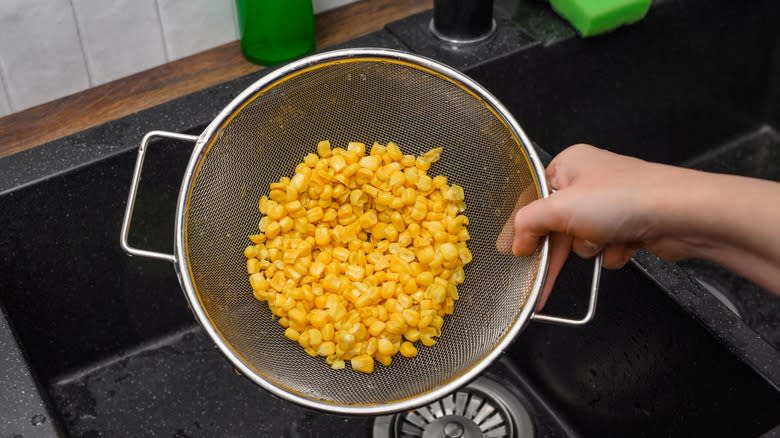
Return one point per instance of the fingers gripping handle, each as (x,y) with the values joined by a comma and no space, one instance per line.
(594,292)
(130,207)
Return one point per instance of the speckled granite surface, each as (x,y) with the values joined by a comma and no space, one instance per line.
(188,114)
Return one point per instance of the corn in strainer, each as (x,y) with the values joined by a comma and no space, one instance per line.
(362,95)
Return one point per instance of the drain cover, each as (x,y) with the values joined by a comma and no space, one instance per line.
(482,409)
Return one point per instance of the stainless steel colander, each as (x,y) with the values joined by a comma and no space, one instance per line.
(356,95)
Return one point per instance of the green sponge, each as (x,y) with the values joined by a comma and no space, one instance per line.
(592,17)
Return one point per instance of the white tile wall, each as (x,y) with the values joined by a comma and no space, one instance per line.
(324,5)
(52,48)
(191,26)
(120,37)
(40,54)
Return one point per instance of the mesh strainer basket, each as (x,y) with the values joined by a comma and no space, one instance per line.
(356,95)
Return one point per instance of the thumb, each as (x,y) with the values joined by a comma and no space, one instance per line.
(532,223)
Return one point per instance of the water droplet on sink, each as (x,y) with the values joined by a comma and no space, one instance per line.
(37,420)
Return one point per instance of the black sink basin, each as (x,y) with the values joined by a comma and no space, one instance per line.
(116,351)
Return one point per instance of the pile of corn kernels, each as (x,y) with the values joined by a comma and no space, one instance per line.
(360,255)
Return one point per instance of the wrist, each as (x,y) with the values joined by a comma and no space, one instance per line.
(682,210)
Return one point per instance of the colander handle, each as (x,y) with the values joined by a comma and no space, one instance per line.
(134,191)
(594,293)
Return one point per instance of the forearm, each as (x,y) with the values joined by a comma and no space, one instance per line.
(730,220)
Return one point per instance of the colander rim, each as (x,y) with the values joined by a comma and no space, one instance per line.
(185,275)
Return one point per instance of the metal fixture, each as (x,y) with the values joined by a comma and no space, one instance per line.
(485,408)
(462,22)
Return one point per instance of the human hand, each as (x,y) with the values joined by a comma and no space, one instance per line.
(599,204)
(614,204)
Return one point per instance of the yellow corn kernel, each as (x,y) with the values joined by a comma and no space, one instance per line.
(328,332)
(356,148)
(286,223)
(424,183)
(395,327)
(412,176)
(433,154)
(419,210)
(409,196)
(355,273)
(370,190)
(323,149)
(303,339)
(291,334)
(250,251)
(424,279)
(363,363)
(314,214)
(370,346)
(448,251)
(338,163)
(262,204)
(351,169)
(465,255)
(331,283)
(368,219)
(423,164)
(311,159)
(427,336)
(394,151)
(318,318)
(449,305)
(377,149)
(326,349)
(412,335)
(297,316)
(376,328)
(257,238)
(426,317)
(440,182)
(371,162)
(437,322)
(384,199)
(341,254)
(252,266)
(315,337)
(391,233)
(408,349)
(363,176)
(411,317)
(408,161)
(384,360)
(322,236)
(397,179)
(385,347)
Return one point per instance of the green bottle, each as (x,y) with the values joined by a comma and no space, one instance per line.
(274,31)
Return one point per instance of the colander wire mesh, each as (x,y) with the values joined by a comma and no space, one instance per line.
(363,99)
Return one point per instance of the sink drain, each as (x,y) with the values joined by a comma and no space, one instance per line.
(484,408)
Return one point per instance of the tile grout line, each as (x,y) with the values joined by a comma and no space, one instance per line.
(162,31)
(236,28)
(6,90)
(87,66)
